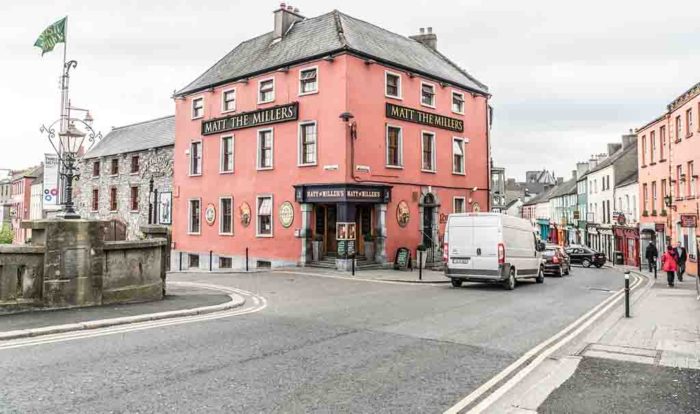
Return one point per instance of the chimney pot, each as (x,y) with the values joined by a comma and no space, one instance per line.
(422,30)
(430,29)
(290,8)
(283,5)
(296,10)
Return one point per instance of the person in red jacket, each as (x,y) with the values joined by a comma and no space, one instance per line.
(669,264)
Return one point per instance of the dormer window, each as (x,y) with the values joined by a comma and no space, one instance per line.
(266,91)
(427,95)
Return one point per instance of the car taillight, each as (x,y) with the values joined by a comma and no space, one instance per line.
(445,252)
(501,253)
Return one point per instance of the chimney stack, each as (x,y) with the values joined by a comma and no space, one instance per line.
(285,16)
(629,139)
(429,39)
(613,148)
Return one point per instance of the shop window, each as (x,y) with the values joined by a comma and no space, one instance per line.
(96,169)
(113,199)
(228,101)
(428,152)
(266,91)
(427,94)
(95,199)
(135,164)
(458,205)
(264,216)
(226,211)
(225,263)
(307,143)
(265,148)
(114,166)
(458,102)
(394,147)
(458,154)
(194,261)
(134,198)
(226,154)
(195,216)
(196,158)
(392,84)
(308,81)
(197,108)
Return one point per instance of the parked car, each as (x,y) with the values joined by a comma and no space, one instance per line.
(586,256)
(491,248)
(556,261)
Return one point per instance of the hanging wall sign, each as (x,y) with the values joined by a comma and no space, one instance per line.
(689,220)
(403,213)
(267,116)
(244,212)
(335,193)
(210,214)
(403,113)
(286,214)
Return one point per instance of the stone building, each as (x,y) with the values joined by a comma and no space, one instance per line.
(127,176)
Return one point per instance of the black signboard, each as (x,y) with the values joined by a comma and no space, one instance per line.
(346,248)
(267,116)
(334,193)
(402,260)
(424,118)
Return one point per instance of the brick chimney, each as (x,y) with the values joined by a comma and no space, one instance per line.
(427,37)
(285,16)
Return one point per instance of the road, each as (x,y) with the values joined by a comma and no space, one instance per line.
(320,345)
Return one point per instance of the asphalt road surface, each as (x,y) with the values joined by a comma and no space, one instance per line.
(321,345)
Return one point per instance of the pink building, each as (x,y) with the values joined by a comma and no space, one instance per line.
(326,136)
(668,181)
(21,202)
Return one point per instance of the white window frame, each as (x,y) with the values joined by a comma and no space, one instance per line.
(386,83)
(433,153)
(196,98)
(221,154)
(201,157)
(386,143)
(221,216)
(223,100)
(464,155)
(260,82)
(420,96)
(258,165)
(189,216)
(300,145)
(464,102)
(257,215)
(306,69)
(464,204)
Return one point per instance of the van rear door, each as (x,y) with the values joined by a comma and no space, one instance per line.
(487,235)
(460,242)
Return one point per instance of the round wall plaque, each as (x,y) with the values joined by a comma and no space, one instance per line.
(286,214)
(244,212)
(475,207)
(210,214)
(403,214)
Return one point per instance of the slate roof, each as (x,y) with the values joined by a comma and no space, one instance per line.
(626,167)
(565,188)
(614,157)
(328,33)
(542,197)
(141,136)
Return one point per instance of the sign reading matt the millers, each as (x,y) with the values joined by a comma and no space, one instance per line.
(267,116)
(403,113)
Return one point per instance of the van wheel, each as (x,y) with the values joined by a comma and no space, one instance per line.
(586,263)
(456,282)
(510,283)
(540,276)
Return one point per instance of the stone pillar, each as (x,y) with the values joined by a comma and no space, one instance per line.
(305,234)
(380,254)
(155,231)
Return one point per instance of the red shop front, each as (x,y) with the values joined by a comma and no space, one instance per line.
(627,242)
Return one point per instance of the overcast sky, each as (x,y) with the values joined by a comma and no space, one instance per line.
(566,77)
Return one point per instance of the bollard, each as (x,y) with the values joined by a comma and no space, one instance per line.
(627,294)
(246,259)
(181,261)
(420,264)
(210,260)
(654,269)
(353,265)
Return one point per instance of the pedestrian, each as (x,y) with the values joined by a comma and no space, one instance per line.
(682,258)
(669,264)
(652,255)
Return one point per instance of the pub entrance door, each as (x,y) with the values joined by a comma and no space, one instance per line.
(326,217)
(364,226)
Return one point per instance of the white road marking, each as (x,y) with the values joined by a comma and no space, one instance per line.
(593,314)
(359,279)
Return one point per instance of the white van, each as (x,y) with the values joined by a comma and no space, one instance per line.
(491,247)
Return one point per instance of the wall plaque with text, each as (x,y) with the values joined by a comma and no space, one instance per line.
(267,116)
(403,113)
(689,220)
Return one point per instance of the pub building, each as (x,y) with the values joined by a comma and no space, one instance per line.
(324,138)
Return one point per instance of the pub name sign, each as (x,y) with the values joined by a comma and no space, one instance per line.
(267,116)
(403,113)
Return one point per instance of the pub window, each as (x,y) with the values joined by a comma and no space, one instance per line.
(264,216)
(458,205)
(193,260)
(113,199)
(689,122)
(195,219)
(308,81)
(114,170)
(392,85)
(226,211)
(265,148)
(225,263)
(427,94)
(228,101)
(196,158)
(96,169)
(95,199)
(458,155)
(458,102)
(428,152)
(307,143)
(135,166)
(226,154)
(266,91)
(394,147)
(134,199)
(197,108)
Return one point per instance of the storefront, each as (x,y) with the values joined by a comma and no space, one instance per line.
(544,229)
(686,228)
(606,241)
(627,243)
(593,237)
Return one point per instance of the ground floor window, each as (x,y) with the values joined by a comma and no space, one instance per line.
(134,198)
(113,199)
(195,216)
(458,205)
(225,263)
(95,199)
(264,215)
(194,260)
(226,211)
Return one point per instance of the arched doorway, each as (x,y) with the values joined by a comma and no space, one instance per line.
(428,225)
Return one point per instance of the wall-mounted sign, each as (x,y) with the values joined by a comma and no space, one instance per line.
(659,227)
(267,116)
(334,193)
(345,231)
(403,214)
(403,113)
(689,220)
(210,214)
(165,208)
(244,212)
(286,214)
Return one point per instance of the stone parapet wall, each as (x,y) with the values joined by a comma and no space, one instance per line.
(21,274)
(133,271)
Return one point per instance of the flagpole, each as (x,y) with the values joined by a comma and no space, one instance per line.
(64,110)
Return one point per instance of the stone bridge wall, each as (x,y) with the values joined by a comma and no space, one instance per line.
(21,274)
(133,271)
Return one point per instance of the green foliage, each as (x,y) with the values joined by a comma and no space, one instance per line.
(5,235)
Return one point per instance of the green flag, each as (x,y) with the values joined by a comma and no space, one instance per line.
(56,33)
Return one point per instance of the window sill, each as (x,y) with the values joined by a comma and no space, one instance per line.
(429,171)
(394,167)
(194,234)
(677,141)
(197,117)
(458,173)
(134,211)
(113,175)
(266,102)
(226,234)
(458,113)
(226,172)
(308,93)
(652,163)
(265,168)
(398,98)
(307,165)
(643,166)
(230,111)
(194,175)
(662,160)
(427,106)
(134,173)
(264,236)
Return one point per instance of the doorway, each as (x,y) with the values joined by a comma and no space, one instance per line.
(326,218)
(364,226)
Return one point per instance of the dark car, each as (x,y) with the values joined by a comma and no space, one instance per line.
(555,261)
(586,257)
